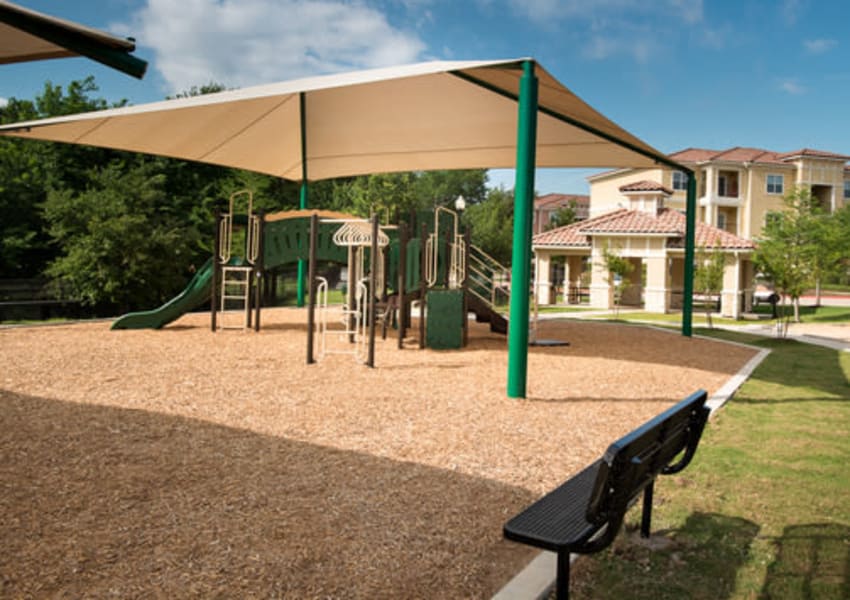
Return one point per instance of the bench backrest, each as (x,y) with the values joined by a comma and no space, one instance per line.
(632,462)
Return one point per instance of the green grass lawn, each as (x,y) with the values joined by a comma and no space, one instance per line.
(808,314)
(764,509)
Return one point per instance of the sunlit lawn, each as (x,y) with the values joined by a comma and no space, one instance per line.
(764,509)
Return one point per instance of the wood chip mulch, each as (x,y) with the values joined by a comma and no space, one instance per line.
(181,463)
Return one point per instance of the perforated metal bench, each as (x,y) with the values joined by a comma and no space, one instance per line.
(584,514)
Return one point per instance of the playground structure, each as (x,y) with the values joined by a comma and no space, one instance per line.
(423,261)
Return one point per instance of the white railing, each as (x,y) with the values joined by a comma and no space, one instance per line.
(350,332)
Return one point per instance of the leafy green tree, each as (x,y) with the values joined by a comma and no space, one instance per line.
(787,252)
(441,188)
(120,248)
(708,276)
(829,247)
(491,224)
(566,215)
(29,168)
(618,269)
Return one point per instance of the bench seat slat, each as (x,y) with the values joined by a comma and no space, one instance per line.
(557,521)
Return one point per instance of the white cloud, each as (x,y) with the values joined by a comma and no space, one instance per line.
(790,11)
(601,47)
(246,42)
(791,86)
(3,102)
(636,29)
(819,46)
(714,38)
(543,11)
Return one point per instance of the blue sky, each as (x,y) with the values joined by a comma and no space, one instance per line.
(677,73)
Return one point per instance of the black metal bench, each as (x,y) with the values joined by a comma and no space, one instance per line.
(584,514)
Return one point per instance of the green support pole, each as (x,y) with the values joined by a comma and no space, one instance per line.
(300,290)
(690,235)
(299,295)
(521,255)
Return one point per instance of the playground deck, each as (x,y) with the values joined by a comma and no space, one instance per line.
(185,463)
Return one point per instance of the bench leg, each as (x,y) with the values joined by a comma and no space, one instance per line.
(562,584)
(646,516)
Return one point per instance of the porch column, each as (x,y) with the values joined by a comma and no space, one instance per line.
(542,277)
(572,275)
(710,206)
(655,294)
(601,291)
(730,298)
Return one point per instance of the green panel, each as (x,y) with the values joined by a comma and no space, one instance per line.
(413,263)
(444,325)
(288,240)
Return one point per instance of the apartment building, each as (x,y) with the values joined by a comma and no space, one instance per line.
(736,188)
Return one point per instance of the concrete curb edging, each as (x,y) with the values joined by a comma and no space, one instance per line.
(537,579)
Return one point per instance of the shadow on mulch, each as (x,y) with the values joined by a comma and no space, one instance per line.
(100,501)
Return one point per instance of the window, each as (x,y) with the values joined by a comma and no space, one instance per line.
(680,180)
(775,184)
(721,220)
(721,185)
(847,189)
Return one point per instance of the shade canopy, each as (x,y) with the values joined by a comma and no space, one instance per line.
(435,115)
(27,35)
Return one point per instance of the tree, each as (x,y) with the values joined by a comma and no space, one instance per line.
(566,215)
(708,275)
(120,249)
(618,269)
(491,224)
(828,247)
(29,168)
(441,188)
(787,252)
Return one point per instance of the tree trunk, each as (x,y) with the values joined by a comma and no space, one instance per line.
(817,292)
(796,302)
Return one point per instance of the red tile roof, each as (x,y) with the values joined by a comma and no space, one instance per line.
(803,152)
(668,222)
(710,237)
(571,235)
(646,186)
(740,154)
(693,155)
(555,201)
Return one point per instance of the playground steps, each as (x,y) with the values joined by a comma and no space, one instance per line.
(484,313)
(235,293)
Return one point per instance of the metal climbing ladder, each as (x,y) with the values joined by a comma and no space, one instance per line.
(236,275)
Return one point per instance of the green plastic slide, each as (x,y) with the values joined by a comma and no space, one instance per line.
(195,294)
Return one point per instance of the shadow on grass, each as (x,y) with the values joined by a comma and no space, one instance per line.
(100,501)
(698,561)
(812,563)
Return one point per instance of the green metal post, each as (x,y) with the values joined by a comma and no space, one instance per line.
(299,296)
(521,255)
(690,236)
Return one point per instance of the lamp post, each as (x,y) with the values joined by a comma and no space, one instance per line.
(460,204)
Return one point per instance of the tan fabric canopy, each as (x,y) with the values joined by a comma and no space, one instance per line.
(436,115)
(27,35)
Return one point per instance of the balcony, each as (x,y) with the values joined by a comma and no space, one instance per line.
(725,191)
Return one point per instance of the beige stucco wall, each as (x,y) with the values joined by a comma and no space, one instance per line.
(605,194)
(760,202)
